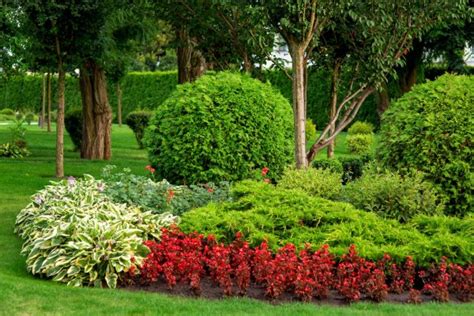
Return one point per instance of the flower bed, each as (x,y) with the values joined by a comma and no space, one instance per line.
(203,264)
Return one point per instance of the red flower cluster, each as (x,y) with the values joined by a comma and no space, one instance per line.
(181,257)
(150,168)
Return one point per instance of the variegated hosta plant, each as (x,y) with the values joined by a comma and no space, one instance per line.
(75,234)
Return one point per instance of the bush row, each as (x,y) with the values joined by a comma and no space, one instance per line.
(265,212)
(307,274)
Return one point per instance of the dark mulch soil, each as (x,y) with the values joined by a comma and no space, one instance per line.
(210,290)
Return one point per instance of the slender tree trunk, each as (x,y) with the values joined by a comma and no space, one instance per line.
(60,123)
(333,106)
(298,89)
(119,104)
(48,79)
(198,64)
(97,114)
(43,103)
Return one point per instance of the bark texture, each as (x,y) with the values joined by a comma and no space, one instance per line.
(333,107)
(191,62)
(97,114)
(43,102)
(48,79)
(119,104)
(299,104)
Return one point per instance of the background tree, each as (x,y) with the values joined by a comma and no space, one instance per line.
(365,50)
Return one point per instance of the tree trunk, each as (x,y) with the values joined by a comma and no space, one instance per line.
(48,79)
(43,103)
(96,111)
(383,100)
(298,89)
(119,104)
(60,123)
(183,53)
(412,62)
(198,64)
(333,107)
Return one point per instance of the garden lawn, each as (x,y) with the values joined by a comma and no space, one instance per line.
(21,293)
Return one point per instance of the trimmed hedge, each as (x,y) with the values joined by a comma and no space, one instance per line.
(222,127)
(431,129)
(139,90)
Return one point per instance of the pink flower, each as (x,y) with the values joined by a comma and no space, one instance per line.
(267,180)
(71,181)
(150,168)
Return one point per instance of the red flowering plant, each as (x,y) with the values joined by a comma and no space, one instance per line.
(263,175)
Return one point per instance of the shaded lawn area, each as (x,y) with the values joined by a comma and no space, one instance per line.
(20,293)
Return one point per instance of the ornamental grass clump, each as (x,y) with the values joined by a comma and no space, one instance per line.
(75,234)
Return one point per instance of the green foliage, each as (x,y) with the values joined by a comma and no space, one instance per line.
(138,122)
(350,167)
(360,144)
(18,133)
(361,128)
(73,121)
(140,90)
(29,117)
(7,111)
(221,127)
(264,212)
(160,197)
(13,151)
(431,129)
(75,234)
(310,130)
(391,195)
(315,182)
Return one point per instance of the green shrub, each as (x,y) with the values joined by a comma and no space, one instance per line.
(310,131)
(30,117)
(361,128)
(220,128)
(360,144)
(264,212)
(138,122)
(13,151)
(350,167)
(74,234)
(316,182)
(160,197)
(392,196)
(18,133)
(7,111)
(431,129)
(73,121)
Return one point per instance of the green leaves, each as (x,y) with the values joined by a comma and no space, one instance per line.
(75,234)
(220,128)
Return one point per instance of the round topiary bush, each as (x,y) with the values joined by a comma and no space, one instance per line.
(220,128)
(431,129)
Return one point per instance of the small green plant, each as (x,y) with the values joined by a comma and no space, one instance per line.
(7,111)
(316,182)
(361,128)
(310,130)
(73,121)
(29,117)
(75,234)
(160,197)
(13,151)
(360,144)
(138,122)
(391,195)
(18,133)
(350,167)
(360,138)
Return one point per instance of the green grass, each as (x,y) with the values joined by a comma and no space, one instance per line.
(21,293)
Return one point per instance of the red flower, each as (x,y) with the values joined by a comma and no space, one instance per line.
(170,195)
(267,180)
(150,168)
(265,171)
(210,190)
